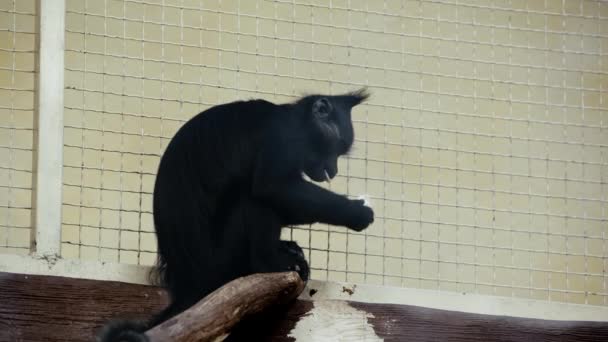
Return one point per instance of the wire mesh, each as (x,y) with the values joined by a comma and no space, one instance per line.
(483,149)
(17,86)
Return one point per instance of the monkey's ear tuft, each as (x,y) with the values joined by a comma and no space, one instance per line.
(358,96)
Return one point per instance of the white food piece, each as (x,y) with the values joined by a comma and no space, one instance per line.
(327,177)
(366,200)
(334,320)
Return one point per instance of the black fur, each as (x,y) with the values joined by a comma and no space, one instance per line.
(124,331)
(231,178)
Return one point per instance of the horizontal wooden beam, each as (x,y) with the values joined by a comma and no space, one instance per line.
(47,308)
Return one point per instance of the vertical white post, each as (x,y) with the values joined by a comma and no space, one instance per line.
(48,184)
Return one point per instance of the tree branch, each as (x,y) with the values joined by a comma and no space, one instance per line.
(214,316)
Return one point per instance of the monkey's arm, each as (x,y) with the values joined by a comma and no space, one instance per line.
(305,203)
(277,180)
(300,202)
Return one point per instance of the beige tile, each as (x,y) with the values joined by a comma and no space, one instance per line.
(147,259)
(128,257)
(455,182)
(337,261)
(20,217)
(89,236)
(89,253)
(302,237)
(70,251)
(318,259)
(108,255)
(148,242)
(19,237)
(319,239)
(109,238)
(355,263)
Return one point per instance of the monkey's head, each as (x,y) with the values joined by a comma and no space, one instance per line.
(330,132)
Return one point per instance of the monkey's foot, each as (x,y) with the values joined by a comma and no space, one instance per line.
(296,259)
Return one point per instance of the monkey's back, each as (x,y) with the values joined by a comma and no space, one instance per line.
(208,159)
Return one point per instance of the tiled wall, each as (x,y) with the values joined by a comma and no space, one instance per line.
(484,147)
(17,71)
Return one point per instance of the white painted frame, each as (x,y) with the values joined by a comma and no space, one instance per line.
(49,131)
(45,257)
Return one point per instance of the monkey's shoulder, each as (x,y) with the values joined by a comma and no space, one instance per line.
(243,107)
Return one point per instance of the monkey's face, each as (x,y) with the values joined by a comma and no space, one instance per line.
(331,136)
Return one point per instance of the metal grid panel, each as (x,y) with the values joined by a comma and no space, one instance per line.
(484,147)
(17,75)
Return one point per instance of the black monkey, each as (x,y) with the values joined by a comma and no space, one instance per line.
(230,179)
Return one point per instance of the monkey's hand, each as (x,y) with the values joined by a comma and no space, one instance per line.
(360,215)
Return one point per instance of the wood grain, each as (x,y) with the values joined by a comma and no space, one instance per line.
(215,315)
(42,308)
(412,323)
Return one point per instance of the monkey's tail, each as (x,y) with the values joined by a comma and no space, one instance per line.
(123,331)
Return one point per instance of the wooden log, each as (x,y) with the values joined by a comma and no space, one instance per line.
(212,318)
